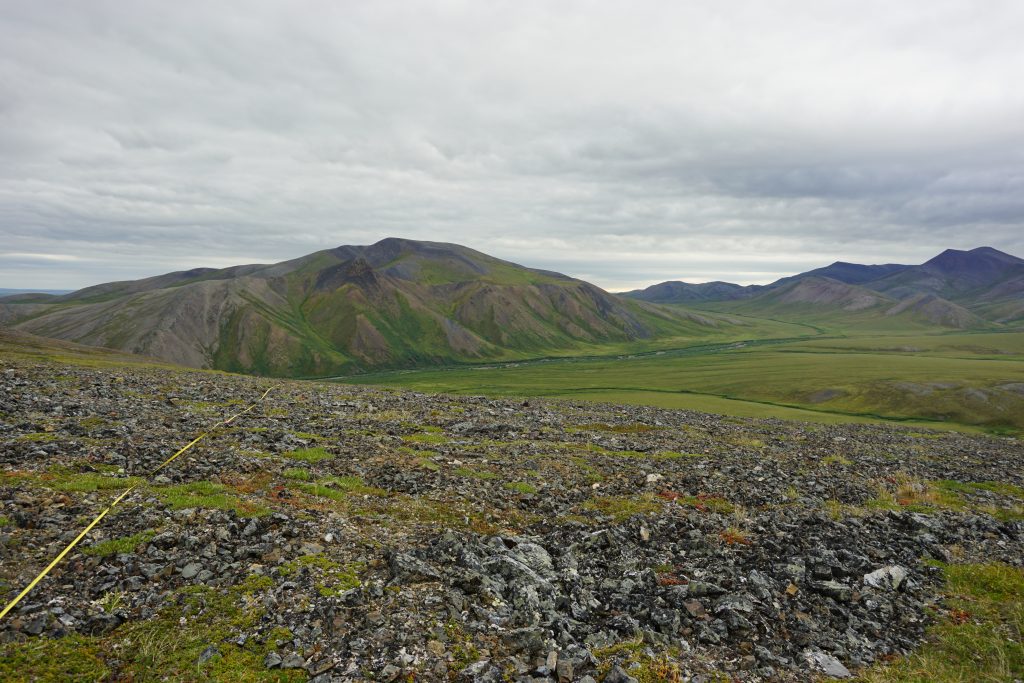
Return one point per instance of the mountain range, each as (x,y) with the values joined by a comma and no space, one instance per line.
(959,289)
(396,303)
(404,303)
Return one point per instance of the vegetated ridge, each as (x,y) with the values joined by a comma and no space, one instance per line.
(396,303)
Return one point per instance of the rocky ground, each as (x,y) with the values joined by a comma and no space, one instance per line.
(337,533)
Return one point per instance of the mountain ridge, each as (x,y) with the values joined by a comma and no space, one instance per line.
(955,288)
(395,303)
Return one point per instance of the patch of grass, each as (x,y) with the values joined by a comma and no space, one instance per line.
(981,637)
(473,473)
(71,658)
(521,487)
(702,501)
(297,473)
(734,536)
(836,460)
(1000,487)
(4,521)
(60,479)
(206,494)
(642,663)
(428,464)
(904,492)
(166,647)
(332,578)
(311,455)
(125,544)
(747,442)
(340,488)
(623,507)
(834,509)
(38,437)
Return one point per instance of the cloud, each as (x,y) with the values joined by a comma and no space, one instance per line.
(625,144)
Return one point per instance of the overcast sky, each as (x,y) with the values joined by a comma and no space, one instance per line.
(625,143)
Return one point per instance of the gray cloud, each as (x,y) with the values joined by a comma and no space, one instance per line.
(624,144)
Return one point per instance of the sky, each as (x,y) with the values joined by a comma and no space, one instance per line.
(625,143)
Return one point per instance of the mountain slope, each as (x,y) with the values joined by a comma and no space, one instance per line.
(954,289)
(823,300)
(392,304)
(676,292)
(953,274)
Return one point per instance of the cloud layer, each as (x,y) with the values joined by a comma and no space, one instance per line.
(626,143)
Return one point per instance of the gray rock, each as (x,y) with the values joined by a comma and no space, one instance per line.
(890,577)
(293,661)
(190,570)
(207,654)
(827,664)
(618,675)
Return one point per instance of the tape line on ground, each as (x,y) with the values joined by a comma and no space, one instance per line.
(121,497)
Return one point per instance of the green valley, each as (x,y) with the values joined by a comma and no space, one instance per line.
(972,381)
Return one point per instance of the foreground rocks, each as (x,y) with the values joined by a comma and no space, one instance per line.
(342,533)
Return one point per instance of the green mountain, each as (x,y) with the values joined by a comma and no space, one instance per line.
(397,303)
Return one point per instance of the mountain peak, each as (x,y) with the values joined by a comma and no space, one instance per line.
(979,259)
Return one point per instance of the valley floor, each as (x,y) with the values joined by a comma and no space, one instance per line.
(961,381)
(342,533)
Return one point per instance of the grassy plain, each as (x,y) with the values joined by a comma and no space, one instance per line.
(967,381)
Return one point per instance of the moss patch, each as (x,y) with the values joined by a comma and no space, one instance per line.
(980,636)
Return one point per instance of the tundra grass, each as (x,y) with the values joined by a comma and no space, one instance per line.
(970,382)
(978,639)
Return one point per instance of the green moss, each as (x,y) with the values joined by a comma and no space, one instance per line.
(166,647)
(38,437)
(472,473)
(313,455)
(643,664)
(206,494)
(332,578)
(297,473)
(87,482)
(521,487)
(72,658)
(836,460)
(340,488)
(125,544)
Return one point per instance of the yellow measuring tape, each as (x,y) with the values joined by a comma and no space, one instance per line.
(121,497)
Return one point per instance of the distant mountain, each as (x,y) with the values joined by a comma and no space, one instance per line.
(818,299)
(675,292)
(31,293)
(396,303)
(984,282)
(850,273)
